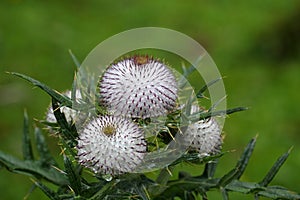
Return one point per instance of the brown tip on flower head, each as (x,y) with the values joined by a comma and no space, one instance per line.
(138,87)
(140,60)
(111,145)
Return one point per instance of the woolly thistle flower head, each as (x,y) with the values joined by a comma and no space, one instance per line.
(204,135)
(111,145)
(138,87)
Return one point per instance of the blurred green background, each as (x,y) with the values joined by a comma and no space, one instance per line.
(255,44)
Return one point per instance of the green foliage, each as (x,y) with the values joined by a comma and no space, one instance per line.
(74,182)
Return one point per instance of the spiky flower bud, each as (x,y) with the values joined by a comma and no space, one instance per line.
(138,87)
(204,135)
(111,145)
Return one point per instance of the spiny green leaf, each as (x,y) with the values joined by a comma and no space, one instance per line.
(205,115)
(228,178)
(204,196)
(275,168)
(142,191)
(177,187)
(194,158)
(214,106)
(69,131)
(60,117)
(209,169)
(186,73)
(189,71)
(137,184)
(273,192)
(240,167)
(32,168)
(243,187)
(105,190)
(69,148)
(46,158)
(164,175)
(278,193)
(224,194)
(75,60)
(50,193)
(26,143)
(244,159)
(73,175)
(54,94)
(89,189)
(204,88)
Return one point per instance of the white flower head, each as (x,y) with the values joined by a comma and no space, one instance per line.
(111,145)
(138,87)
(204,135)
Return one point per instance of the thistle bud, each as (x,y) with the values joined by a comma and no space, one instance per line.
(138,87)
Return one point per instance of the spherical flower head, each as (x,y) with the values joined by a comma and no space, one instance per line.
(70,114)
(138,87)
(111,145)
(204,135)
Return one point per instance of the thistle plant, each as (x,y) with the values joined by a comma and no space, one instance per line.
(103,155)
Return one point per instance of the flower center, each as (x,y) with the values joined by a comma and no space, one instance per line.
(109,130)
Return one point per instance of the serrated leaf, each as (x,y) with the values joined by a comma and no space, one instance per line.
(46,158)
(275,168)
(73,175)
(53,93)
(47,191)
(26,142)
(32,168)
